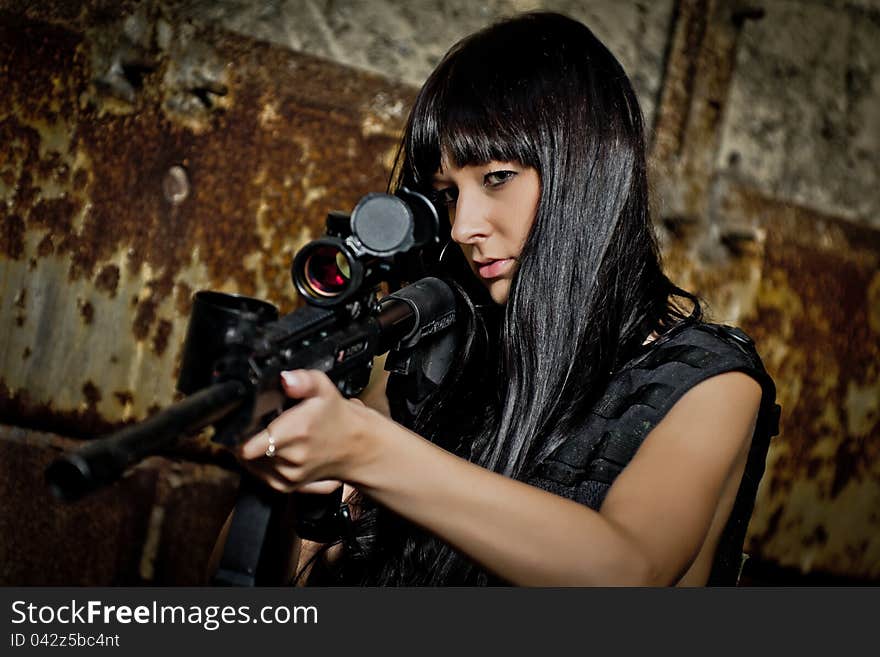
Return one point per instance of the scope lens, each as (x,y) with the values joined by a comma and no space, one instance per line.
(327,271)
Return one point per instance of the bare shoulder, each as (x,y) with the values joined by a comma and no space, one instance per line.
(723,405)
(669,495)
(703,432)
(727,387)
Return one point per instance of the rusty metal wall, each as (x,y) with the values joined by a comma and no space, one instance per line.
(149,156)
(803,282)
(145,158)
(142,161)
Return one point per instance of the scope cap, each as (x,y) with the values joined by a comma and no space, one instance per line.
(383,224)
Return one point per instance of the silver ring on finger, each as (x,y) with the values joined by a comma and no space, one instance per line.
(270,450)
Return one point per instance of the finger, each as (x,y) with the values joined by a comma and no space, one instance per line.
(256,446)
(270,477)
(301,384)
(319,487)
(357,401)
(286,453)
(289,474)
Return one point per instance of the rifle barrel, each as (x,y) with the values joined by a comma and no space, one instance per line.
(104,460)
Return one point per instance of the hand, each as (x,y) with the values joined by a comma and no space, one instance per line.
(317,442)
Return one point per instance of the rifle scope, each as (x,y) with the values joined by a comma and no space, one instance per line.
(357,250)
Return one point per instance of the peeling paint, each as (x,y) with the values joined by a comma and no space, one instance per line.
(129,183)
(814,332)
(862,406)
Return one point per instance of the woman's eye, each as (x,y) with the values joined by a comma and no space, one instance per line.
(497,178)
(446,196)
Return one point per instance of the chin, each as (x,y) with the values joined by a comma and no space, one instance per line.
(499,290)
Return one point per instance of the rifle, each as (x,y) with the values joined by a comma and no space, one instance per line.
(236,347)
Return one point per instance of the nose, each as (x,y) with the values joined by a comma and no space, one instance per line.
(470,219)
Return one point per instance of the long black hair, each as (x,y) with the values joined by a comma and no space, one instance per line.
(539,89)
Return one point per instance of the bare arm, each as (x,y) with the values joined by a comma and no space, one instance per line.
(650,529)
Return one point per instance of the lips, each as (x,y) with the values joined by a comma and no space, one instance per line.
(492,268)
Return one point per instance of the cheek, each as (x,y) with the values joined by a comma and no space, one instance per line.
(518,227)
(525,229)
(523,218)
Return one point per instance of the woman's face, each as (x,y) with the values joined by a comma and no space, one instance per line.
(492,208)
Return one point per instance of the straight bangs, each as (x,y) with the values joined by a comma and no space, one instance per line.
(469,122)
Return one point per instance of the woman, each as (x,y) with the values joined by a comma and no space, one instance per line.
(593,430)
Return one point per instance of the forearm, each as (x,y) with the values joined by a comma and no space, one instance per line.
(651,528)
(525,535)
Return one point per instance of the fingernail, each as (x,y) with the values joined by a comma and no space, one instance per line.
(290,378)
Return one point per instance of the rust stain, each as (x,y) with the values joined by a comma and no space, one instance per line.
(697,80)
(812,322)
(183,298)
(108,279)
(85,422)
(679,79)
(80,180)
(771,530)
(818,537)
(86,310)
(12,237)
(56,214)
(91,393)
(46,246)
(143,318)
(160,338)
(838,324)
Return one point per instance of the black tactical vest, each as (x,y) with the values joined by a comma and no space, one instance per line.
(638,398)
